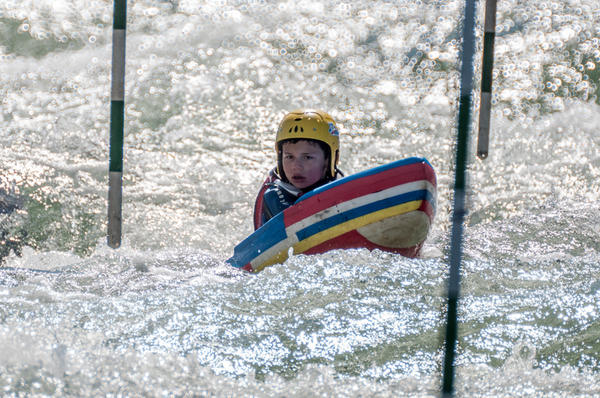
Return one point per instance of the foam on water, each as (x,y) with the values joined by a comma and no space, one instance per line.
(206,85)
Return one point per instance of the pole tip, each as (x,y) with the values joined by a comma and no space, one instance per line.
(113,242)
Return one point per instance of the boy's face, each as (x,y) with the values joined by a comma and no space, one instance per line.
(304,163)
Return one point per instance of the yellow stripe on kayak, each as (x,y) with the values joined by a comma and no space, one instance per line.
(353,224)
(279,258)
(340,229)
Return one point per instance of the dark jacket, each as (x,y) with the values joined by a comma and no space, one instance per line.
(276,195)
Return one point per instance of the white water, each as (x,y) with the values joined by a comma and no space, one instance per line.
(207,83)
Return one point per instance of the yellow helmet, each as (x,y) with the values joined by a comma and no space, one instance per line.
(309,125)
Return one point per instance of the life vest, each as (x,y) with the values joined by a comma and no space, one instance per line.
(275,196)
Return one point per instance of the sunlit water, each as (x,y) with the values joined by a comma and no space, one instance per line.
(206,85)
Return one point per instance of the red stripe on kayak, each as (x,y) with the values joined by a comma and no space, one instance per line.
(248,268)
(428,209)
(357,188)
(430,174)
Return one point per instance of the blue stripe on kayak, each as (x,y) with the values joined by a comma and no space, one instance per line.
(366,173)
(361,211)
(271,233)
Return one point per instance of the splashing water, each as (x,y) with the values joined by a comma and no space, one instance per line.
(206,85)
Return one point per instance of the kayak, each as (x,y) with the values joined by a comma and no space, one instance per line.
(389,207)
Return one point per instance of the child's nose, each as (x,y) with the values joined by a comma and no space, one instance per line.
(297,164)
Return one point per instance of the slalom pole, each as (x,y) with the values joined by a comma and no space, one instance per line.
(485,106)
(464,120)
(117,106)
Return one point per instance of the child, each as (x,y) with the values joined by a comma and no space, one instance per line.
(307,146)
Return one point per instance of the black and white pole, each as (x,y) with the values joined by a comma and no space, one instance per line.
(464,121)
(485,105)
(117,116)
